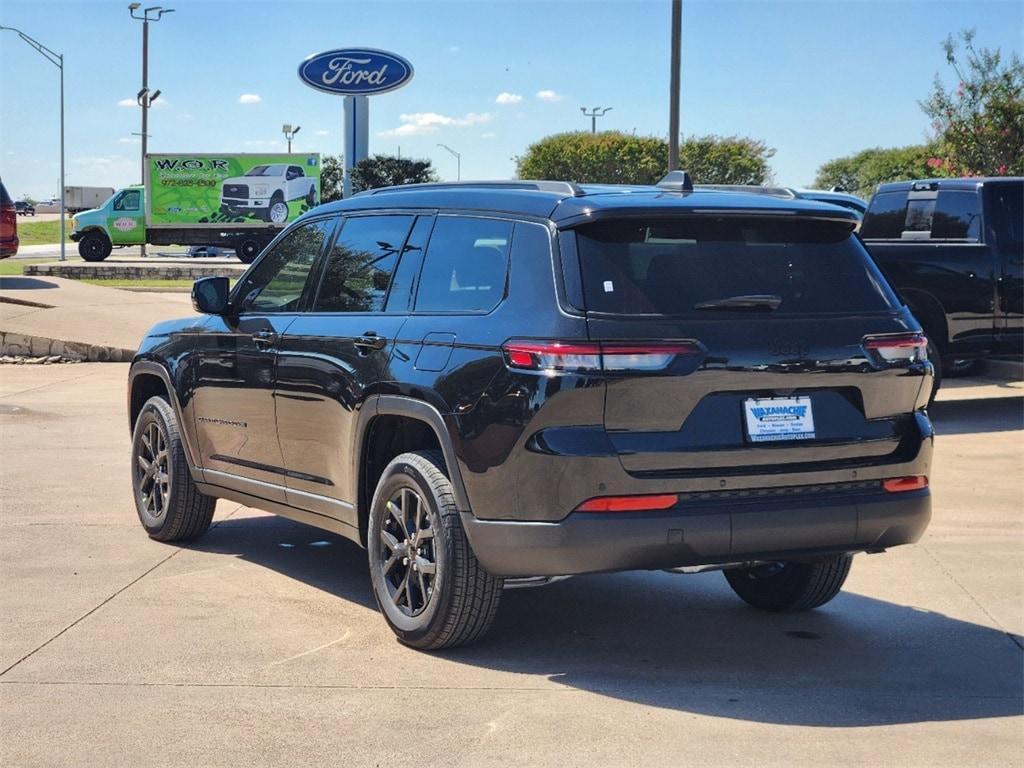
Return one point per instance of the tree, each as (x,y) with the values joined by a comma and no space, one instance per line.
(389,171)
(862,172)
(979,126)
(331,171)
(608,157)
(726,160)
(611,157)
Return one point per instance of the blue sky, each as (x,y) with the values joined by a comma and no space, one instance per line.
(813,79)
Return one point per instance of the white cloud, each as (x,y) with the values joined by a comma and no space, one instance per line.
(249,98)
(419,123)
(549,96)
(488,135)
(129,140)
(161,102)
(322,132)
(454,49)
(262,143)
(508,98)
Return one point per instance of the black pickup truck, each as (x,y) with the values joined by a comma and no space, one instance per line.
(954,251)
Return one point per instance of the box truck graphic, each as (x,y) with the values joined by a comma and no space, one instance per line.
(267,190)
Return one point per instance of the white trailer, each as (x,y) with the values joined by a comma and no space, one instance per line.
(85,198)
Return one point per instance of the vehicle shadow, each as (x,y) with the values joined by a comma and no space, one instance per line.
(687,643)
(961,417)
(18,283)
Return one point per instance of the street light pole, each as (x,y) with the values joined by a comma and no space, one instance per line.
(673,97)
(289,133)
(458,161)
(144,98)
(57,59)
(595,113)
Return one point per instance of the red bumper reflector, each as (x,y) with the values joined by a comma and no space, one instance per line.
(628,503)
(901,484)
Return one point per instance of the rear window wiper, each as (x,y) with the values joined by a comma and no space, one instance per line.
(754,301)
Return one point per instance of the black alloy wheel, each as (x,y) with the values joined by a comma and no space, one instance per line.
(407,555)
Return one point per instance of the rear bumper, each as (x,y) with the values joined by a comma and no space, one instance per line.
(700,533)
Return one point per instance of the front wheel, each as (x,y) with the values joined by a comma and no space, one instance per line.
(790,586)
(428,583)
(94,246)
(277,213)
(169,505)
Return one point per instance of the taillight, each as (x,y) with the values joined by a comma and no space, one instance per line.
(9,215)
(909,483)
(898,348)
(648,503)
(595,356)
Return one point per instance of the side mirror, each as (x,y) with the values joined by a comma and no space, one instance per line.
(210,295)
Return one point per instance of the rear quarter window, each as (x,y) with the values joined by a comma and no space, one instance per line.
(669,266)
(465,266)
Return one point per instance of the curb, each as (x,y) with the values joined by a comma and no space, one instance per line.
(22,345)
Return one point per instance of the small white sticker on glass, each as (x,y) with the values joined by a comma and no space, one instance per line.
(608,286)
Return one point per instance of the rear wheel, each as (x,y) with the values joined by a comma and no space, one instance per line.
(790,586)
(247,250)
(169,505)
(428,583)
(94,246)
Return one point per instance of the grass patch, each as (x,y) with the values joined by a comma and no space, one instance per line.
(10,267)
(41,232)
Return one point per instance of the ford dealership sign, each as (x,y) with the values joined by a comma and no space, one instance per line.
(355,71)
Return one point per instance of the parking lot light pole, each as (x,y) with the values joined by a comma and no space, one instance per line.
(144,98)
(289,133)
(57,59)
(595,113)
(458,161)
(673,98)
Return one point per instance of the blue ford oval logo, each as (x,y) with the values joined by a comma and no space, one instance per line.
(355,71)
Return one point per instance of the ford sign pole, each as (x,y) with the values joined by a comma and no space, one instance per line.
(355,73)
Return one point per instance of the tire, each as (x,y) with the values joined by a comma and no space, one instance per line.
(456,603)
(247,250)
(790,586)
(277,211)
(175,510)
(935,357)
(311,197)
(94,246)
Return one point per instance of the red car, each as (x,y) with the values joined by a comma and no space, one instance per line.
(8,225)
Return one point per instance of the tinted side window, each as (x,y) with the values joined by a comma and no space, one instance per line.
(1008,214)
(885,217)
(277,281)
(957,216)
(465,265)
(361,262)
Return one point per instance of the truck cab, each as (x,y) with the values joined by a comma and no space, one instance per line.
(954,251)
(119,221)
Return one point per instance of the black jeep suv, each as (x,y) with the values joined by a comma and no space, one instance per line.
(496,383)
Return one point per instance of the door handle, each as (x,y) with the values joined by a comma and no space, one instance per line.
(370,341)
(264,339)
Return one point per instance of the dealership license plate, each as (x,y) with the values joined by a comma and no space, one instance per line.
(779,418)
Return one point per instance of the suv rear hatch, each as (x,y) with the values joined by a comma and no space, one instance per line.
(757,344)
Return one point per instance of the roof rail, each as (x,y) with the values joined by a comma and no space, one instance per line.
(750,189)
(567,188)
(677,181)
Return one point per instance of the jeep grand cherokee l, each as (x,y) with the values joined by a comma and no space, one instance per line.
(486,384)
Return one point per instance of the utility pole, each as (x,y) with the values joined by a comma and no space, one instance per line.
(673,96)
(57,59)
(289,133)
(144,98)
(458,161)
(595,113)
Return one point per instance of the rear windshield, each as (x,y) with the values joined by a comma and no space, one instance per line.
(669,266)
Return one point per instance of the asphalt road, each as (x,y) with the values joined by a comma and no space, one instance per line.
(260,644)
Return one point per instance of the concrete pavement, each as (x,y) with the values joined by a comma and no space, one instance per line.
(260,644)
(80,315)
